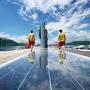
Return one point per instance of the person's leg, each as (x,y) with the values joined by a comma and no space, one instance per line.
(63,48)
(59,47)
(31,48)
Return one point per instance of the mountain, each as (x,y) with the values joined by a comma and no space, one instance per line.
(8,42)
(79,43)
(75,43)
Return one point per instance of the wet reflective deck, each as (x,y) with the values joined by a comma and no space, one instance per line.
(46,70)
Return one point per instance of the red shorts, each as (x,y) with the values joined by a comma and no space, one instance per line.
(61,44)
(29,44)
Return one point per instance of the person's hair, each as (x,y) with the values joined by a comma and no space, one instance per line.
(60,30)
(31,31)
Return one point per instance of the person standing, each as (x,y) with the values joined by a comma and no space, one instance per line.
(31,40)
(61,40)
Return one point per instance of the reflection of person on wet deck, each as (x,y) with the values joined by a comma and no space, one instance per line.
(61,40)
(31,57)
(62,56)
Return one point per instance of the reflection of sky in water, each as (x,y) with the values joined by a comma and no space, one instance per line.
(47,70)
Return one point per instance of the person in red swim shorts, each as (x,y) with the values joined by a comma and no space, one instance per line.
(31,40)
(61,40)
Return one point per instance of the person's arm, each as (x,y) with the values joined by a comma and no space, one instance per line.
(65,37)
(34,37)
(46,33)
(40,33)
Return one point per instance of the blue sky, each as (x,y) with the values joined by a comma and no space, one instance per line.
(18,17)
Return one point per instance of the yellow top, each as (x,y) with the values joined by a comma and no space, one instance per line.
(62,55)
(31,37)
(61,37)
(31,57)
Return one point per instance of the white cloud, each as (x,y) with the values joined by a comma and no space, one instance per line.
(78,35)
(71,23)
(23,13)
(37,41)
(8,36)
(73,36)
(69,20)
(51,27)
(34,16)
(28,7)
(48,6)
(22,38)
(44,5)
(83,25)
(24,18)
(53,40)
(1,33)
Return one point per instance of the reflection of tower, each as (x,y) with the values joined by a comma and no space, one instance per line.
(43,36)
(43,59)
(31,57)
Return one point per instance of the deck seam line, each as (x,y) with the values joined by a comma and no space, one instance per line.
(25,78)
(80,85)
(49,79)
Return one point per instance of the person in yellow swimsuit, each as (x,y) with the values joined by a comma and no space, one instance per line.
(31,40)
(61,40)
